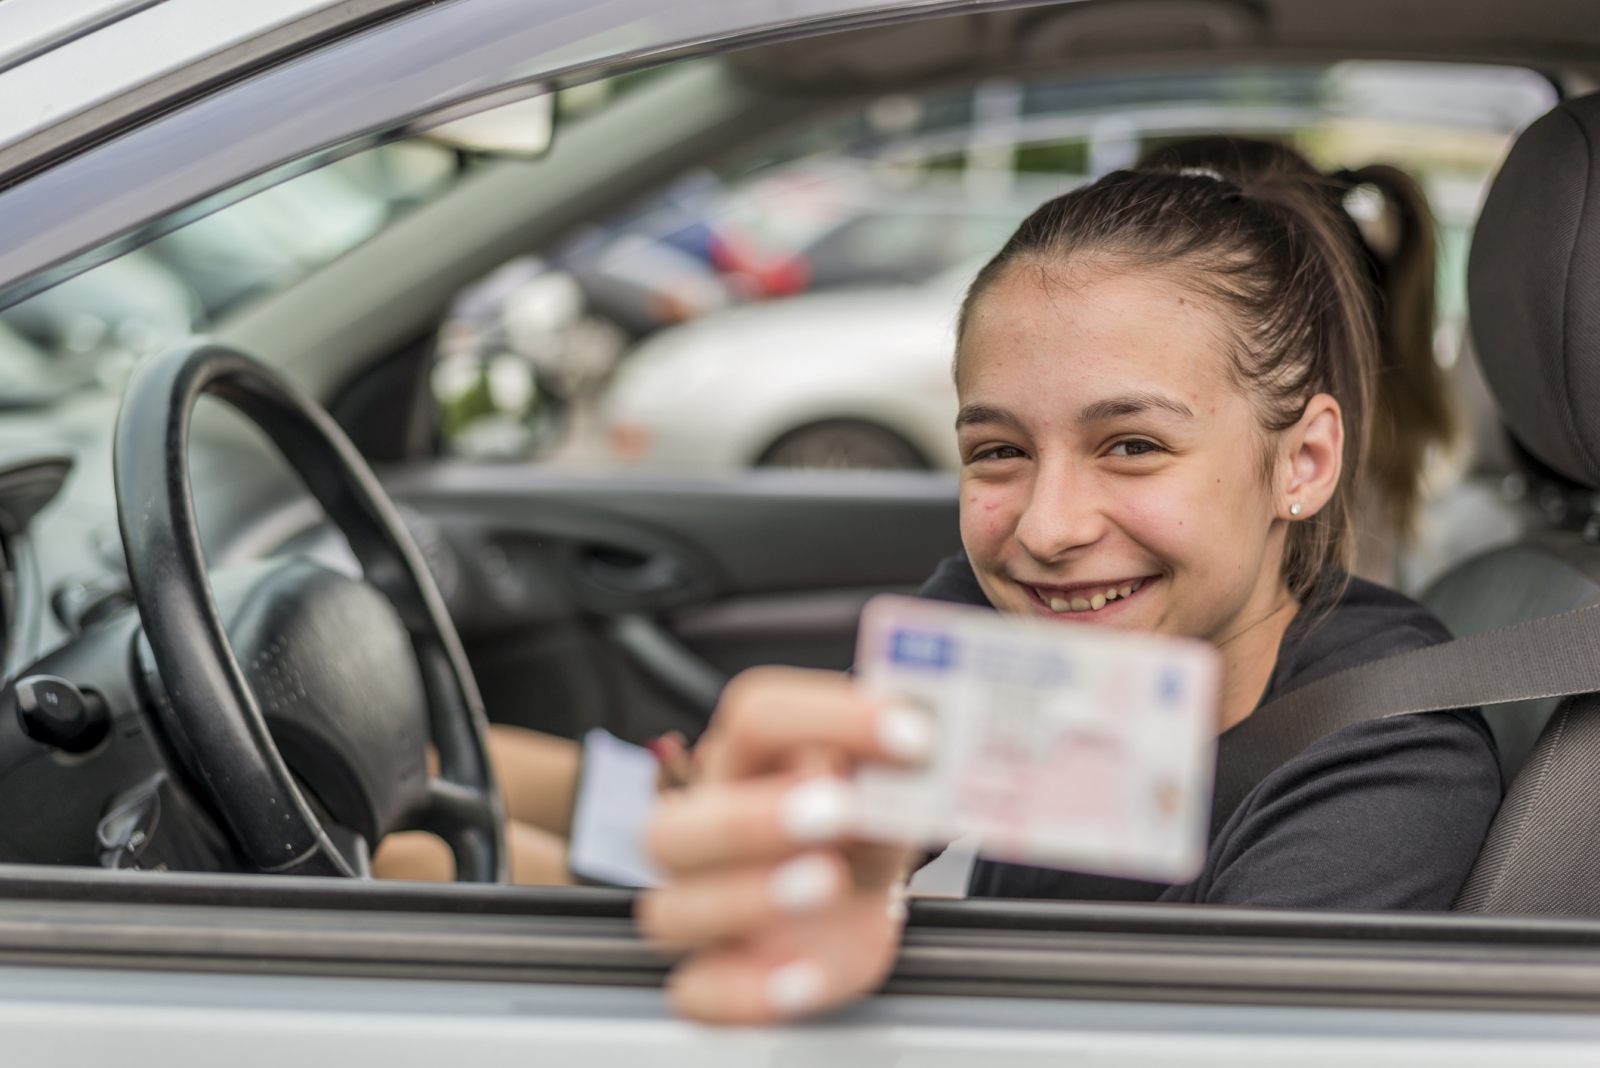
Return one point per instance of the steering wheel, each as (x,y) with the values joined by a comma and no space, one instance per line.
(359,674)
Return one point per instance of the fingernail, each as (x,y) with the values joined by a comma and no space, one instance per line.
(796,987)
(898,912)
(906,733)
(817,810)
(804,883)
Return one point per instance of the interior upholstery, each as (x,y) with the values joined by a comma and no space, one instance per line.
(1543,851)
(1545,576)
(1533,285)
(1534,292)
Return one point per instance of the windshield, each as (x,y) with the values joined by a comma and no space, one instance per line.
(91,330)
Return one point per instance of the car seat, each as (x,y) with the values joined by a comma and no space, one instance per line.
(1534,300)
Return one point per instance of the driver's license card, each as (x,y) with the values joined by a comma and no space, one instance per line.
(1065,745)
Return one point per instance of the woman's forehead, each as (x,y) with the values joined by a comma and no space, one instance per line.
(1118,330)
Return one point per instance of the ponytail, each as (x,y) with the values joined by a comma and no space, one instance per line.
(1412,408)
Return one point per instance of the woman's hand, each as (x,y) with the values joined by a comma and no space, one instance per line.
(783,913)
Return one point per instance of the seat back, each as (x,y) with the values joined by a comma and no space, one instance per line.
(1534,294)
(1542,855)
(1541,576)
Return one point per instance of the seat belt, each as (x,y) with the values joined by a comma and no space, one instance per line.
(1556,656)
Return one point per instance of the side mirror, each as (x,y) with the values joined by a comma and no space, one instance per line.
(517,123)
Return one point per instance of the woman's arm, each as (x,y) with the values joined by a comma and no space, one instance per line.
(538,776)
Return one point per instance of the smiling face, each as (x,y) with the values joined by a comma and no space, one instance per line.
(1112,466)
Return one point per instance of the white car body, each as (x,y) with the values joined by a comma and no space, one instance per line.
(718,391)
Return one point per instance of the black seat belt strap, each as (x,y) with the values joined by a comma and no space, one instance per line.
(1557,656)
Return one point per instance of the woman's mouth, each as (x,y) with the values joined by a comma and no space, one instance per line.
(1087,597)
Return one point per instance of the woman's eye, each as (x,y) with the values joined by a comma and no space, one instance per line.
(1134,447)
(1000,452)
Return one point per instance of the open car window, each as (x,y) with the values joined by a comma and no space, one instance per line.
(640,434)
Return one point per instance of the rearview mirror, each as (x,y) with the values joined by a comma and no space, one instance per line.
(518,123)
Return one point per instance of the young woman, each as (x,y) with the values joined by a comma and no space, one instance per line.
(1164,383)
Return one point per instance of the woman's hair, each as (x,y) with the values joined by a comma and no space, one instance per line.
(1256,228)
(1412,406)
(1411,401)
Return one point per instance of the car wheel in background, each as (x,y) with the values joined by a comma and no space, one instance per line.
(843,443)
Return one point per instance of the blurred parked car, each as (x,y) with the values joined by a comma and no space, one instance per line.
(859,376)
(850,378)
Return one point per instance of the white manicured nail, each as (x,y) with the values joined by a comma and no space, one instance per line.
(804,883)
(906,733)
(898,912)
(817,810)
(796,987)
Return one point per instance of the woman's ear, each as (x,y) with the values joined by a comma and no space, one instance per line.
(1312,459)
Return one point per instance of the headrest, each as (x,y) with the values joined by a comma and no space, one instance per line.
(1533,288)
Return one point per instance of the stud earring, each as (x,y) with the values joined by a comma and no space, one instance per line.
(1294,509)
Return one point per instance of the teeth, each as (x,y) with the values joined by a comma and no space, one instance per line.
(1094,602)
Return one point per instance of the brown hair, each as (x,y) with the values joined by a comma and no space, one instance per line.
(1412,406)
(1274,248)
(1411,402)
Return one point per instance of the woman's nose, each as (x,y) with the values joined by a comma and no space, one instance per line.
(1062,514)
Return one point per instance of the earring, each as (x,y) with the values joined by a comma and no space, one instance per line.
(1294,509)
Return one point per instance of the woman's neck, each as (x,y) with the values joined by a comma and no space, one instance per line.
(1250,653)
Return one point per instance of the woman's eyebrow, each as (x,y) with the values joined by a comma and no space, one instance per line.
(1131,404)
(986,415)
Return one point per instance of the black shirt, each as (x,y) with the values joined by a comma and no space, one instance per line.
(1386,814)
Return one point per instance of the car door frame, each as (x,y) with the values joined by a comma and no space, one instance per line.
(106,198)
(245,925)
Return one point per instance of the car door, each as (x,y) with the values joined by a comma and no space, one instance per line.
(663,576)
